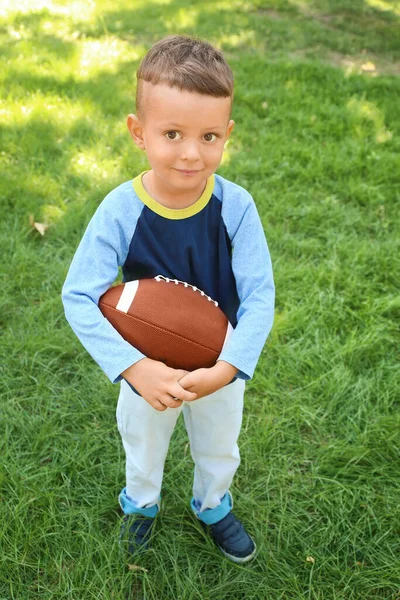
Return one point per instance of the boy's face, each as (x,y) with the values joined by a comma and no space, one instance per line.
(183,134)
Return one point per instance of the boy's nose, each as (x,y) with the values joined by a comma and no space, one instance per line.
(190,152)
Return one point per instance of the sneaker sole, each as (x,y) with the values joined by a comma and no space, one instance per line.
(238,559)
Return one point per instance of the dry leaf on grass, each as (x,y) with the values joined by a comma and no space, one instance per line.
(137,568)
(40,227)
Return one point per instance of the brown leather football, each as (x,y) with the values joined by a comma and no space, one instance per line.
(168,320)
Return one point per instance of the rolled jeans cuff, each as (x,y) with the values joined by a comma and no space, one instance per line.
(209,516)
(128,506)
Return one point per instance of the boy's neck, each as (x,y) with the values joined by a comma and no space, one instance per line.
(168,196)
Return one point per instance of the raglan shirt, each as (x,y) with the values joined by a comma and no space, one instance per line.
(217,244)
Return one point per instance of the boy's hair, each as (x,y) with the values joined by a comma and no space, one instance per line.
(188,64)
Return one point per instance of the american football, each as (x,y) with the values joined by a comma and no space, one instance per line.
(168,320)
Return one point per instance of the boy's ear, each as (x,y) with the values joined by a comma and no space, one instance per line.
(231,125)
(136,131)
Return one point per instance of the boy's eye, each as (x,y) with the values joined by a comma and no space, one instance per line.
(173,135)
(210,137)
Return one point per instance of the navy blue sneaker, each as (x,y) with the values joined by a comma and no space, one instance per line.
(232,538)
(136,533)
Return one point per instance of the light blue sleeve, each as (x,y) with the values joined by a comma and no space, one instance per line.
(251,264)
(103,248)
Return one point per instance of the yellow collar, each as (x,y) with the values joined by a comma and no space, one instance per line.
(173,213)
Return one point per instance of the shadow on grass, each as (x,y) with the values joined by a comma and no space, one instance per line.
(112,92)
(237,30)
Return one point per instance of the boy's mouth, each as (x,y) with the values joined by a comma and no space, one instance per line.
(188,171)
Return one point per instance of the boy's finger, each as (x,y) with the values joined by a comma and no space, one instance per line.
(157,405)
(181,373)
(171,401)
(177,391)
(187,396)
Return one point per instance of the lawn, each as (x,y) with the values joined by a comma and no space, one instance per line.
(317,143)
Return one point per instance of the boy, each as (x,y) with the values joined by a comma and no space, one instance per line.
(182,221)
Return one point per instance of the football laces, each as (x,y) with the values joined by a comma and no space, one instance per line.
(176,281)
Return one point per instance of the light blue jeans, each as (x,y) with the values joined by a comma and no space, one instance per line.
(213,424)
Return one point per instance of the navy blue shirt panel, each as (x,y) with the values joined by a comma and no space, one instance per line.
(196,249)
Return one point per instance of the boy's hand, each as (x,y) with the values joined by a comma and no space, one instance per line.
(158,384)
(207,381)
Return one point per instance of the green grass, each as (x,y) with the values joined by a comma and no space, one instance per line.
(317,143)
